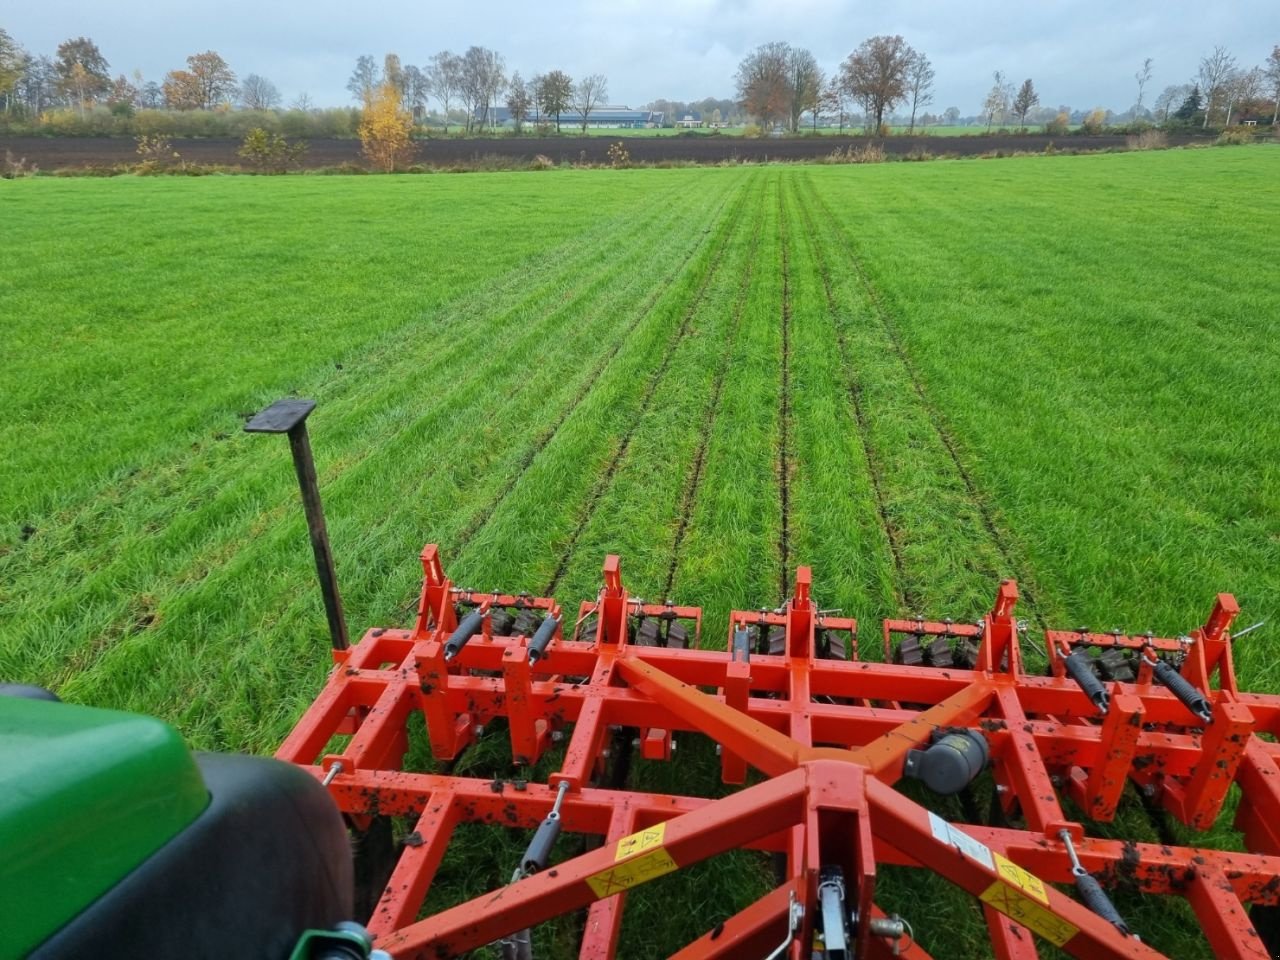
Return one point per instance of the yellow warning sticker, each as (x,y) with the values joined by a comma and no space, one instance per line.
(642,841)
(631,873)
(1015,876)
(1021,896)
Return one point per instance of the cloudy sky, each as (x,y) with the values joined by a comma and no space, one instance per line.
(1081,53)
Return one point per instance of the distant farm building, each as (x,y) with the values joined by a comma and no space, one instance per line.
(614,117)
(690,120)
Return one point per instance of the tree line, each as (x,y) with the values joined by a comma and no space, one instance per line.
(777,85)
(1220,90)
(78,76)
(477,83)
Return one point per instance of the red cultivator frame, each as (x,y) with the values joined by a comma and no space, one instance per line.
(831,736)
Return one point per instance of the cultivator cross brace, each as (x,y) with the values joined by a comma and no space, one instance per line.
(831,737)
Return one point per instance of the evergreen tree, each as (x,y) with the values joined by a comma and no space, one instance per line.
(1190,106)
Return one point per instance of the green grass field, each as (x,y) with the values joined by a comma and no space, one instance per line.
(1061,369)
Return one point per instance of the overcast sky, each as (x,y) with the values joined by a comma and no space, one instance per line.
(1082,54)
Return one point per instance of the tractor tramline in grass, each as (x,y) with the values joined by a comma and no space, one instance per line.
(816,738)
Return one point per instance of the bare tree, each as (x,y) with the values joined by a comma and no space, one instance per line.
(1143,76)
(998,99)
(150,95)
(1244,90)
(468,94)
(804,82)
(589,93)
(444,80)
(761,83)
(258,93)
(876,76)
(302,102)
(393,73)
(555,94)
(364,78)
(1169,97)
(415,91)
(483,80)
(38,87)
(496,82)
(534,90)
(518,101)
(13,66)
(1272,73)
(1214,70)
(919,85)
(1024,101)
(835,99)
(952,115)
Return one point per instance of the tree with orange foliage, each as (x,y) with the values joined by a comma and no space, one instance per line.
(762,83)
(207,83)
(385,128)
(181,90)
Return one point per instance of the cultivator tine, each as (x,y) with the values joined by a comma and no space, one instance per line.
(949,705)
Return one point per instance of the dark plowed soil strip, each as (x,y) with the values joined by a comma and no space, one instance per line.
(694,483)
(52,153)
(548,434)
(651,388)
(858,411)
(784,412)
(935,416)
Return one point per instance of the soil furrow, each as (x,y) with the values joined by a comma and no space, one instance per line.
(857,411)
(602,485)
(882,314)
(690,494)
(784,413)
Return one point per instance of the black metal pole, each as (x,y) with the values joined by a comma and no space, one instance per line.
(290,416)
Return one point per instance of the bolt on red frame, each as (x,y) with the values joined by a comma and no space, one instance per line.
(831,736)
